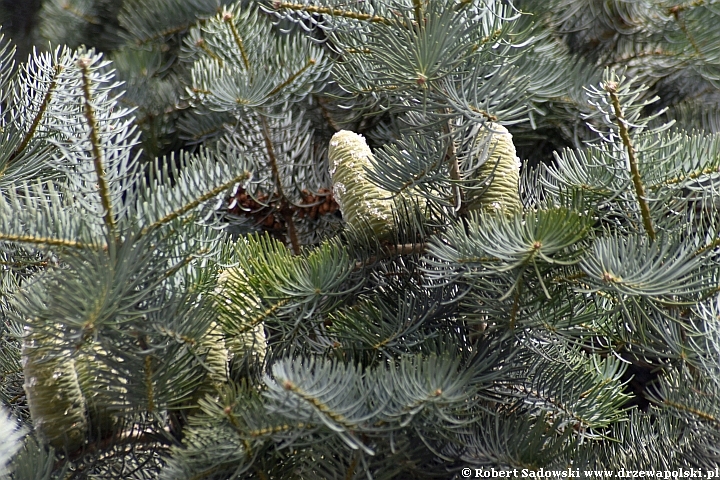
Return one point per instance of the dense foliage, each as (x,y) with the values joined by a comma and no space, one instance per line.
(367,239)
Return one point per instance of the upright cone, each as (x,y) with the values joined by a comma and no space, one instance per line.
(363,204)
(57,405)
(502,170)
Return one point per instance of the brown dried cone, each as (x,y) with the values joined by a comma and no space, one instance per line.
(363,204)
(56,402)
(316,205)
(502,170)
(243,335)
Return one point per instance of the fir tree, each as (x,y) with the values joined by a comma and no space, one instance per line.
(373,239)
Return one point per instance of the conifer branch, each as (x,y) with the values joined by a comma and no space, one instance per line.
(555,402)
(206,473)
(67,6)
(178,337)
(50,242)
(292,231)
(493,37)
(417,7)
(131,438)
(350,474)
(326,114)
(675,12)
(694,411)
(390,250)
(292,77)
(257,320)
(38,117)
(593,311)
(232,418)
(171,31)
(611,88)
(322,407)
(472,259)
(184,262)
(358,51)
(516,305)
(228,18)
(277,429)
(19,264)
(714,244)
(452,160)
(483,113)
(196,202)
(149,384)
(336,12)
(406,249)
(95,142)
(203,46)
(691,176)
(284,203)
(681,8)
(202,91)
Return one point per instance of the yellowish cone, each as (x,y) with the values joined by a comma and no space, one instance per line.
(57,405)
(362,203)
(216,356)
(503,165)
(88,367)
(241,336)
